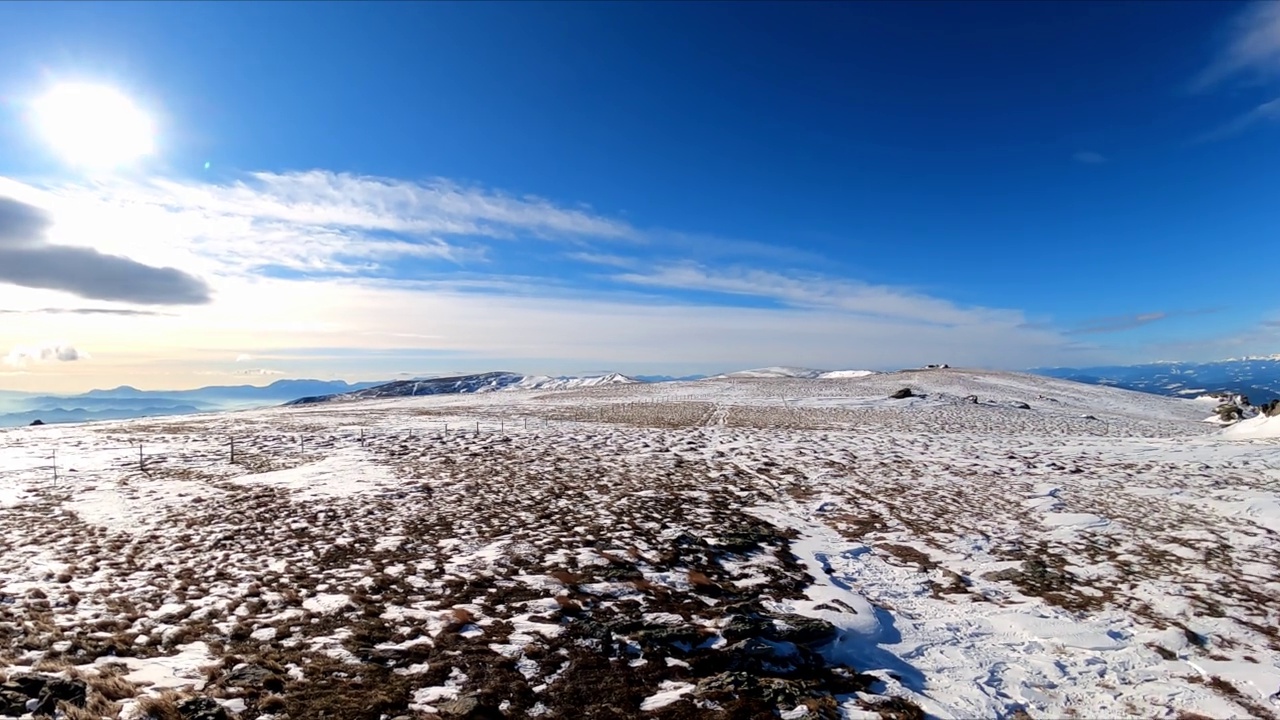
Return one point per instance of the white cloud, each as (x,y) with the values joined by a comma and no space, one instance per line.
(313,222)
(815,291)
(21,356)
(343,224)
(1251,47)
(1267,111)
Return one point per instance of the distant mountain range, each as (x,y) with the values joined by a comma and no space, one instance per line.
(128,402)
(479,383)
(1257,378)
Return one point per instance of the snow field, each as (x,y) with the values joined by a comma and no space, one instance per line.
(726,548)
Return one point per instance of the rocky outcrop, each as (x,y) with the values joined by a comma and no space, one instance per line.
(902,394)
(40,694)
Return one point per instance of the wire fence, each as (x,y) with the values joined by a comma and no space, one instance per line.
(235,448)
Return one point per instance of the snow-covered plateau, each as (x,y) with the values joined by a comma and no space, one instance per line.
(993,545)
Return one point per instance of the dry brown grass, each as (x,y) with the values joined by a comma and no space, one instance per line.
(697,578)
(161,707)
(112,687)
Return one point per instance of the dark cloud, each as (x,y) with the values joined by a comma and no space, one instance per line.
(85,311)
(1129,322)
(26,259)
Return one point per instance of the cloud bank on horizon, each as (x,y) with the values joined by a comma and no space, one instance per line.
(278,265)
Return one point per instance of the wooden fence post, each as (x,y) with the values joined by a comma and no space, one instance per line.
(233,450)
(142,465)
(55,467)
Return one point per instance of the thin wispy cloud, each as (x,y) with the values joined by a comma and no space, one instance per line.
(1119,323)
(815,291)
(1122,323)
(319,222)
(1266,112)
(122,312)
(1250,55)
(1088,157)
(1250,48)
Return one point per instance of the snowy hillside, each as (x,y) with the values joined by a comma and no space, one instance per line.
(1257,378)
(792,372)
(991,545)
(465,384)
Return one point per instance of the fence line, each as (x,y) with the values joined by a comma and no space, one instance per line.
(236,447)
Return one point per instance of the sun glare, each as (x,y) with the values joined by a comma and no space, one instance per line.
(93,125)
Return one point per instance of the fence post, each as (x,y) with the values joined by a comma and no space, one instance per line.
(55,467)
(477,428)
(446,429)
(302,445)
(361,437)
(142,465)
(233,450)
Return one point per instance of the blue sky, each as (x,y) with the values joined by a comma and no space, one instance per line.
(649,187)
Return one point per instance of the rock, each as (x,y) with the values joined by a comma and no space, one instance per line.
(1020,405)
(725,682)
(1271,409)
(667,635)
(744,626)
(971,399)
(202,708)
(786,693)
(902,394)
(468,706)
(1229,413)
(12,703)
(761,657)
(801,630)
(58,690)
(249,675)
(1006,575)
(36,422)
(26,685)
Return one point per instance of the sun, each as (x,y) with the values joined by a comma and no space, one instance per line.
(94,126)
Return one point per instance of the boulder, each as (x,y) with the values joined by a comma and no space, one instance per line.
(902,394)
(56,690)
(470,707)
(27,685)
(801,630)
(255,676)
(12,703)
(36,422)
(1020,405)
(971,399)
(202,708)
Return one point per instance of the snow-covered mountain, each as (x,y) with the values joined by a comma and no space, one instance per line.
(467,384)
(792,372)
(1257,378)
